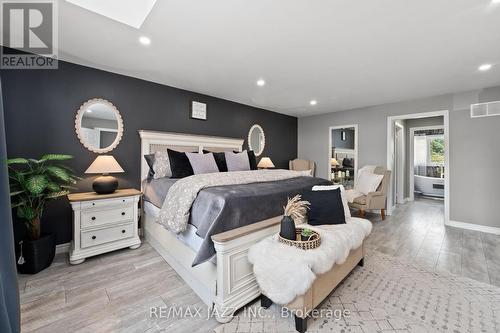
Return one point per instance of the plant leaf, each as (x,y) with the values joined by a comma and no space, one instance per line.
(36,184)
(16,193)
(59,173)
(57,194)
(18,160)
(53,187)
(55,157)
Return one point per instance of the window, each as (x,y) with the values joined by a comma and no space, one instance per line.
(436,149)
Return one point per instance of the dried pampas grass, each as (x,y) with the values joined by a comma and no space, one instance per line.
(297,208)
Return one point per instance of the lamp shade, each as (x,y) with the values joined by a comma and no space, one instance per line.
(265,162)
(104,164)
(334,162)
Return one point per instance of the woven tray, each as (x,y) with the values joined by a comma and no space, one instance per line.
(313,242)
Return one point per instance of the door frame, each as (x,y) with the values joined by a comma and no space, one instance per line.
(400,169)
(411,173)
(390,155)
(356,143)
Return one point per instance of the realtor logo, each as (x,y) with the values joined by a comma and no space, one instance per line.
(29,34)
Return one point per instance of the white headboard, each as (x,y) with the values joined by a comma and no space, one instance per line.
(152,141)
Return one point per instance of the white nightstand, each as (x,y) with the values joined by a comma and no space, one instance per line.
(103,223)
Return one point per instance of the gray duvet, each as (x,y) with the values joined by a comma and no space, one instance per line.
(222,208)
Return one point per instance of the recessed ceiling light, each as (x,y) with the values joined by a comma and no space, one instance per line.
(89,111)
(261,82)
(485,67)
(495,1)
(144,40)
(313,102)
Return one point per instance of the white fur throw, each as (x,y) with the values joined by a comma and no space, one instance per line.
(284,272)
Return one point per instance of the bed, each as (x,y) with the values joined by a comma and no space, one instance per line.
(211,253)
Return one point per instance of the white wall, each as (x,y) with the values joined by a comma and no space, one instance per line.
(474,147)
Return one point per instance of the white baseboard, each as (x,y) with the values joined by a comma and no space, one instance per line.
(475,227)
(62,248)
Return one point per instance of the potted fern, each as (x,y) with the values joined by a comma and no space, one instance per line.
(32,184)
(295,210)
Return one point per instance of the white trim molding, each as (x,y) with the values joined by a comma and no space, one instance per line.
(474,227)
(62,248)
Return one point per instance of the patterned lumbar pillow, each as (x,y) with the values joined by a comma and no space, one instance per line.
(237,161)
(202,163)
(161,165)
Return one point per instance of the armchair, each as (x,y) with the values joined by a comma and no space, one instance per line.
(302,165)
(377,199)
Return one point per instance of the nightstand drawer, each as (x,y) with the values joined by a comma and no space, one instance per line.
(95,218)
(107,203)
(101,236)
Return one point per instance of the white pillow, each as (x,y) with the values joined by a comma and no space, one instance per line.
(161,165)
(368,182)
(202,163)
(347,211)
(237,161)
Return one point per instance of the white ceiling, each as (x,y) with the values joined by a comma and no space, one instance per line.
(344,54)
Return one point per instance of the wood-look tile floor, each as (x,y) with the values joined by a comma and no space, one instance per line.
(114,292)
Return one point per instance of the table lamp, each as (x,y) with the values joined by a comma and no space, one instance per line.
(265,163)
(105,164)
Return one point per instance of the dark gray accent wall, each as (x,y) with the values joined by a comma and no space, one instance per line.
(40,109)
(9,295)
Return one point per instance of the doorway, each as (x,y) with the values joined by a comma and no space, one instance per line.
(343,154)
(401,158)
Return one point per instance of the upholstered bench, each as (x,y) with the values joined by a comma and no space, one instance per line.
(322,286)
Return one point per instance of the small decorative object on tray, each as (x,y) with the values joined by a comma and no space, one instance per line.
(312,242)
(295,209)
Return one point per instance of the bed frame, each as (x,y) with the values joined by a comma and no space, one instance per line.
(230,284)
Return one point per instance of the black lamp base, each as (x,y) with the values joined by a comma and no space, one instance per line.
(105,184)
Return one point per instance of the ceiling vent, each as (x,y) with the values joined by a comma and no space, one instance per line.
(485,109)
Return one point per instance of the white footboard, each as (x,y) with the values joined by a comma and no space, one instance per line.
(236,284)
(230,284)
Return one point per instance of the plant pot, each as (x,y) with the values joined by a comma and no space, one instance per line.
(287,228)
(37,254)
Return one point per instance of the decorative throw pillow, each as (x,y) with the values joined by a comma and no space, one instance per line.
(161,165)
(347,211)
(252,160)
(220,160)
(202,163)
(150,159)
(237,161)
(367,182)
(179,164)
(326,207)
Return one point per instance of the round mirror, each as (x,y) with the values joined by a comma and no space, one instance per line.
(99,125)
(256,139)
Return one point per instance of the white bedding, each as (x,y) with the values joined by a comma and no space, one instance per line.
(188,237)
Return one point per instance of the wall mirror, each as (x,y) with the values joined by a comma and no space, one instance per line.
(99,125)
(256,139)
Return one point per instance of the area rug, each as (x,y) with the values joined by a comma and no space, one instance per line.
(388,295)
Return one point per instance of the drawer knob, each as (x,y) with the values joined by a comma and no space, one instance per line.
(123,213)
(93,218)
(93,237)
(123,231)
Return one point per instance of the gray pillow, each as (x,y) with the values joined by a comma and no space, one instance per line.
(161,165)
(202,163)
(237,161)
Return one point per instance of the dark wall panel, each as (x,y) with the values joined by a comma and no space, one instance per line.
(40,108)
